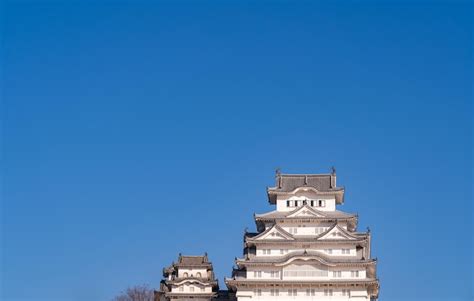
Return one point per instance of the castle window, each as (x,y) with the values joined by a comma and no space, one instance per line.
(287,203)
(328,292)
(202,289)
(185,274)
(274,292)
(258,292)
(198,275)
(292,292)
(313,292)
(181,288)
(312,203)
(346,292)
(355,274)
(191,289)
(320,203)
(305,202)
(337,274)
(296,203)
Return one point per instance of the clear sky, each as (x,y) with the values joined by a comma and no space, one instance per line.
(133,131)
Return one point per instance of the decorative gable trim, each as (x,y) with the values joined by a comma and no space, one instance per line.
(336,232)
(306,211)
(273,233)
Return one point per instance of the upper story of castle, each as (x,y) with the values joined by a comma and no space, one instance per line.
(318,191)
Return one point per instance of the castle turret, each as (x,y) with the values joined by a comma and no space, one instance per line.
(192,277)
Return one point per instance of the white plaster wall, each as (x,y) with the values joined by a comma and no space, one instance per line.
(336,251)
(320,273)
(301,294)
(329,203)
(192,272)
(266,273)
(303,230)
(313,226)
(187,288)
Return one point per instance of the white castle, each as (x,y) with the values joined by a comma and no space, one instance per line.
(305,249)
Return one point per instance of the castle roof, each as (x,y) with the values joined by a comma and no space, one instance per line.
(287,183)
(304,255)
(188,260)
(316,214)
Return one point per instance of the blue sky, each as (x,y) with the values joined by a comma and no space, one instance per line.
(136,130)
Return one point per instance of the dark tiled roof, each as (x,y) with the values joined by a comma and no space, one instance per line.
(331,260)
(290,182)
(284,214)
(193,260)
(321,182)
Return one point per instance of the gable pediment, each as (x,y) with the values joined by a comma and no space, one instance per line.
(274,233)
(337,232)
(306,211)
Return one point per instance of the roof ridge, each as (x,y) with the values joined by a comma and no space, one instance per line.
(304,174)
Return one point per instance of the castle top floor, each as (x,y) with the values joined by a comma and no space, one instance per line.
(316,190)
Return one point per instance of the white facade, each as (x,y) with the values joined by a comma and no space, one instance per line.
(305,249)
(192,277)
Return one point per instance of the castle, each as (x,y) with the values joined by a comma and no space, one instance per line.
(305,249)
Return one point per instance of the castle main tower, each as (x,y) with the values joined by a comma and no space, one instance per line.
(306,249)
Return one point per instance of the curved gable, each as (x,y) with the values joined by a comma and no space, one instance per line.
(337,232)
(273,233)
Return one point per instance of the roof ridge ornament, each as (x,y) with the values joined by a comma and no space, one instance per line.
(332,180)
(278,171)
(278,176)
